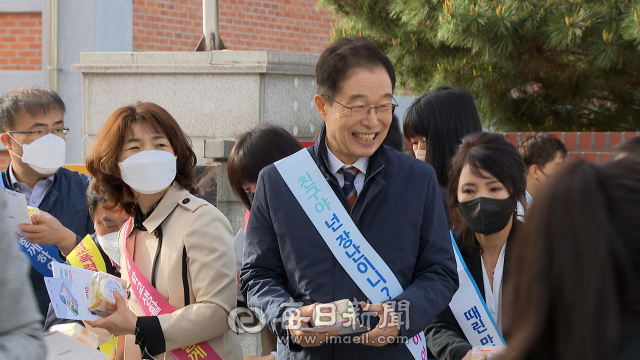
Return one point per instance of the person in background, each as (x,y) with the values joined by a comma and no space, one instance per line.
(177,248)
(486,180)
(33,131)
(253,151)
(107,223)
(631,147)
(543,155)
(435,124)
(20,320)
(574,292)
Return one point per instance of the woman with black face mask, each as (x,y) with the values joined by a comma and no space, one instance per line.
(487,179)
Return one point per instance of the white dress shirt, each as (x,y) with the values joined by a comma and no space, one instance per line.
(493,296)
(361,164)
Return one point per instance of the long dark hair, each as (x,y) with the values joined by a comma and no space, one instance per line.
(254,150)
(443,116)
(494,154)
(102,160)
(576,265)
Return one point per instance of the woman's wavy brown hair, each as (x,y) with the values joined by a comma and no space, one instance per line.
(102,160)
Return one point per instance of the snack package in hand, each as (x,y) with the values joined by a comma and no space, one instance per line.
(338,315)
(101,299)
(339,312)
(77,332)
(484,352)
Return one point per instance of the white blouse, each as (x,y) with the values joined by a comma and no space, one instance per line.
(493,297)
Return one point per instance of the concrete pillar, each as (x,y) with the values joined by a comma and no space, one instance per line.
(213,95)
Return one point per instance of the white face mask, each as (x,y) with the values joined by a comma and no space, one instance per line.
(109,244)
(149,172)
(421,155)
(45,155)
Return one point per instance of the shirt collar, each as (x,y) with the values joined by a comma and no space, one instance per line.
(528,197)
(14,181)
(335,164)
(165,207)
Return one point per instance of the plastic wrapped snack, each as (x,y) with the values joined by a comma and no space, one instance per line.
(77,332)
(101,299)
(484,352)
(339,312)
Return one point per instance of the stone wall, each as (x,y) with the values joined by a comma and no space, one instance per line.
(213,95)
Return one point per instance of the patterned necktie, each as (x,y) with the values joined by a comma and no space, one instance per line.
(349,189)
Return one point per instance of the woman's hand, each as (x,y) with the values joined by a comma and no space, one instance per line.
(121,322)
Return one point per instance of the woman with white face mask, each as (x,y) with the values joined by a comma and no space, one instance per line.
(176,251)
(486,180)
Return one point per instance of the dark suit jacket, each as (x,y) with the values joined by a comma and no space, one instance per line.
(287,264)
(67,202)
(445,338)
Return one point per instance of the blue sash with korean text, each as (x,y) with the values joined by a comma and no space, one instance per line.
(40,256)
(470,309)
(363,264)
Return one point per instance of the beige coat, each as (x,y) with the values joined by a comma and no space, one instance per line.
(192,222)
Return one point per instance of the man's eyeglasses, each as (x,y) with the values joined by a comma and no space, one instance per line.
(38,133)
(362,111)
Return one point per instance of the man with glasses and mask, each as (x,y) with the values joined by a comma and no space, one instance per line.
(33,131)
(349,218)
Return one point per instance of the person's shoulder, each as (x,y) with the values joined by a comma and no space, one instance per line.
(192,203)
(73,176)
(200,208)
(399,160)
(269,173)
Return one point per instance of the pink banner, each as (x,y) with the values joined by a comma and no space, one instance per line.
(153,304)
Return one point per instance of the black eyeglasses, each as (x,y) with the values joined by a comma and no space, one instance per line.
(38,133)
(362,111)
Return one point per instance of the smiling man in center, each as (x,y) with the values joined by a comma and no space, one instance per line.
(392,199)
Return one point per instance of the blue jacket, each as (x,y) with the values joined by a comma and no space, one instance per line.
(67,202)
(286,264)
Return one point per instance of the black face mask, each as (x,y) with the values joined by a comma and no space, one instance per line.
(250,197)
(488,216)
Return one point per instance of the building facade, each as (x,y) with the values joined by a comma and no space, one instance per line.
(26,26)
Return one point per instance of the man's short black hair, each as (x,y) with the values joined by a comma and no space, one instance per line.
(31,99)
(343,56)
(630,147)
(540,149)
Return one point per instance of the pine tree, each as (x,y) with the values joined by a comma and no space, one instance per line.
(571,65)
